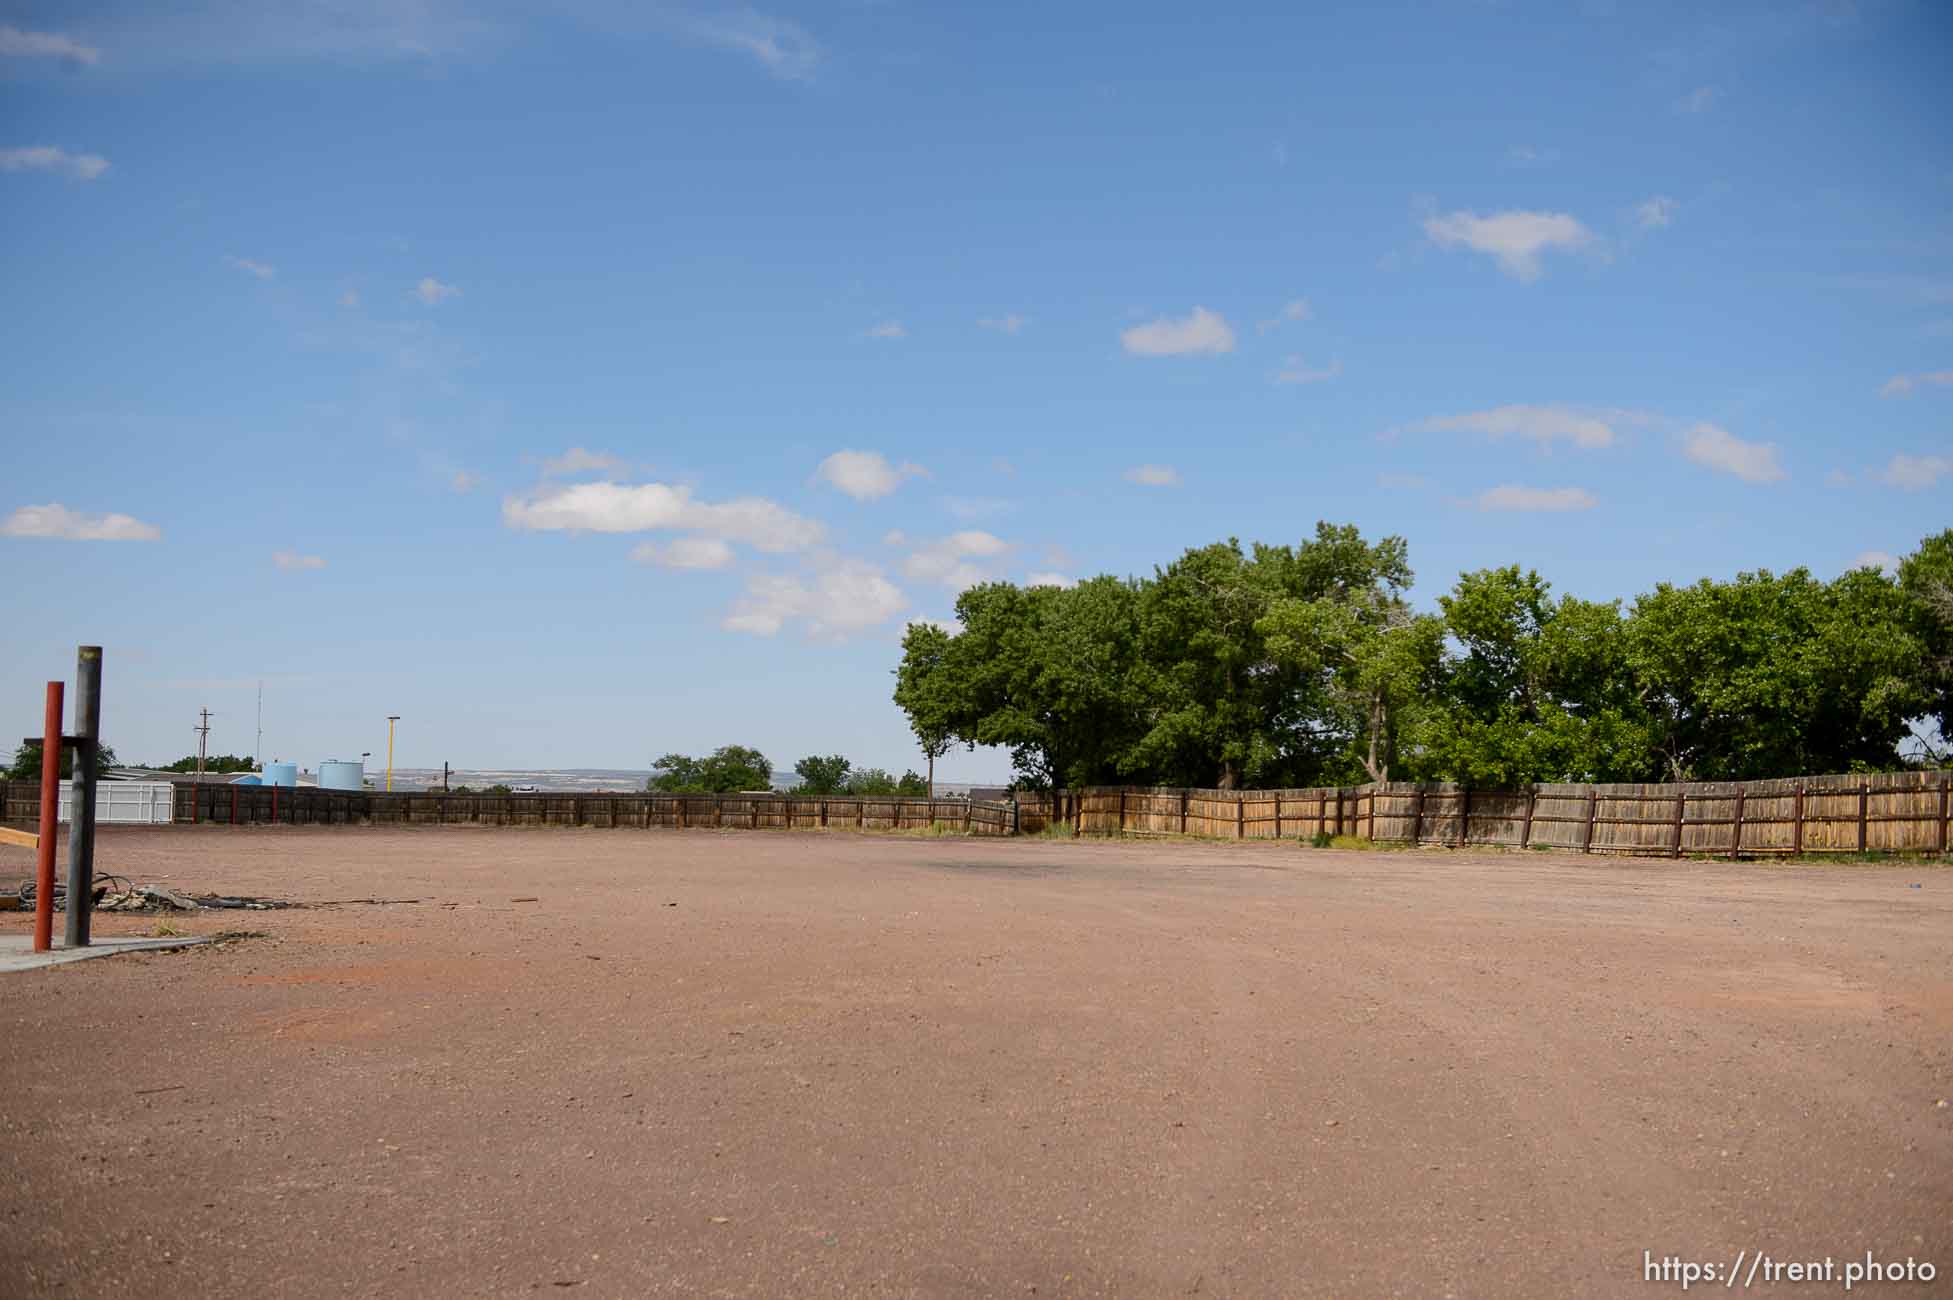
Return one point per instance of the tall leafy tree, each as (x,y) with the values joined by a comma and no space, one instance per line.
(925,692)
(1378,659)
(1774,675)
(822,774)
(1537,690)
(1043,672)
(1926,578)
(727,770)
(1231,710)
(27,762)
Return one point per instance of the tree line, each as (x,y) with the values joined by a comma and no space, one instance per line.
(731,769)
(1279,666)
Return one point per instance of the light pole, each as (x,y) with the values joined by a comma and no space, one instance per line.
(391,719)
(364,754)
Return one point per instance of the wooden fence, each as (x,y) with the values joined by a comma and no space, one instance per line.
(1893,812)
(257,805)
(1901,812)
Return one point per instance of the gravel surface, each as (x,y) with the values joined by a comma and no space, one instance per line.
(772,1064)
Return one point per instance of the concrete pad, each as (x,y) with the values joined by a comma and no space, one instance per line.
(17,950)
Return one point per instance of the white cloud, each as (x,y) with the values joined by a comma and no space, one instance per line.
(1003,324)
(293,562)
(433,292)
(579,461)
(1295,309)
(1838,478)
(685,553)
(949,625)
(350,298)
(955,561)
(895,537)
(1516,239)
(45,45)
(263,270)
(1656,212)
(647,507)
(865,475)
(1153,475)
(1698,100)
(888,329)
(462,481)
(839,598)
(973,508)
(783,48)
(1543,424)
(1914,473)
(1050,580)
(1201,332)
(1719,449)
(1903,385)
(1511,496)
(56,520)
(48,158)
(1880,560)
(1295,371)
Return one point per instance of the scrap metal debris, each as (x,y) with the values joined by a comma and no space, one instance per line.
(151,899)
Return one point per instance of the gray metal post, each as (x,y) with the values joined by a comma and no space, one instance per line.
(81,802)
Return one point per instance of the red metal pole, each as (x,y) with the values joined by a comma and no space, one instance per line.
(50,821)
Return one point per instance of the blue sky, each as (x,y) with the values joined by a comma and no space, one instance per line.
(593,381)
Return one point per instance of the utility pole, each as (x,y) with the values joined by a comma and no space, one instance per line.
(444,776)
(391,719)
(203,741)
(81,799)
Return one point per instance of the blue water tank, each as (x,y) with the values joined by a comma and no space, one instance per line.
(337,774)
(281,774)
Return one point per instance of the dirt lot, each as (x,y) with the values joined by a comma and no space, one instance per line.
(827,1064)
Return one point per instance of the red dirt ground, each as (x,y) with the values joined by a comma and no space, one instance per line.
(827,1064)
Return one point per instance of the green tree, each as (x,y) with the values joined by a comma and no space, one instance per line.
(1224,706)
(498,788)
(1380,661)
(27,762)
(213,763)
(871,781)
(822,775)
(914,783)
(727,770)
(1926,578)
(925,692)
(1539,690)
(1770,675)
(1046,673)
(677,774)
